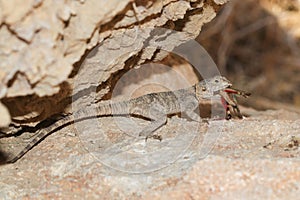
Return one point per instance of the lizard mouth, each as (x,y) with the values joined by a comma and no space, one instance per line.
(231,90)
(228,98)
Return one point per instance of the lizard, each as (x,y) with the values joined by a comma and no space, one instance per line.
(154,106)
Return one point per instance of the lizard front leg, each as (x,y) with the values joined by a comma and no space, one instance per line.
(189,104)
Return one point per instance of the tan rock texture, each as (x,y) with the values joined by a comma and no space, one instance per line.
(253,158)
(43,44)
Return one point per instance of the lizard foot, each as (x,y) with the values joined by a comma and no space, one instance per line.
(156,137)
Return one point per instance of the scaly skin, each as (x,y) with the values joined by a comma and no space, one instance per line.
(154,106)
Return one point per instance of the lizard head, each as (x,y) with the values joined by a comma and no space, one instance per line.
(208,88)
(220,86)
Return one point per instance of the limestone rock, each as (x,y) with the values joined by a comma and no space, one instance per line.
(43,44)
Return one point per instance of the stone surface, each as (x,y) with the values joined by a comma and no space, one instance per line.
(257,157)
(44,43)
(42,49)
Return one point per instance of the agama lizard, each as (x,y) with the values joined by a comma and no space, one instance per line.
(155,107)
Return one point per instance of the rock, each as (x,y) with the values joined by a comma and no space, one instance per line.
(44,44)
(222,159)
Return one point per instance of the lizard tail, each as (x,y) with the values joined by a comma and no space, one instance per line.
(42,134)
(102,109)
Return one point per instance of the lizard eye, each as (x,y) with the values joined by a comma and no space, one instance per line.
(203,89)
(216,81)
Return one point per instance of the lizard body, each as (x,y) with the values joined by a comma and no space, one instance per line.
(154,106)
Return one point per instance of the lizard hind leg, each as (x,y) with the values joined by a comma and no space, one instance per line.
(159,118)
